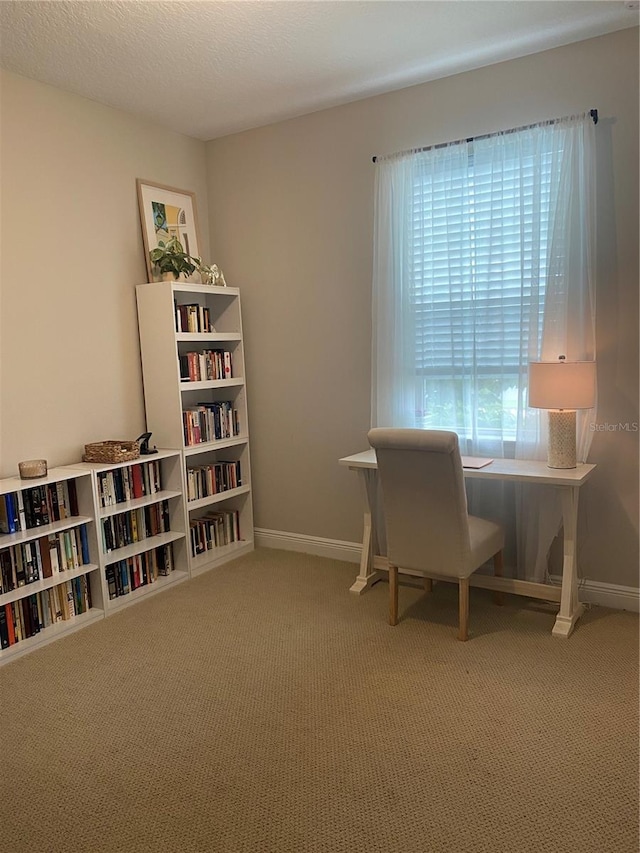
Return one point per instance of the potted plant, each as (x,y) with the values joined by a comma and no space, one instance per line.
(171,260)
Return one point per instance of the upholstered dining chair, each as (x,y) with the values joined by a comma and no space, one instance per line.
(425,510)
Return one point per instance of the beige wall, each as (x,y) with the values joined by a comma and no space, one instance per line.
(71,256)
(291,213)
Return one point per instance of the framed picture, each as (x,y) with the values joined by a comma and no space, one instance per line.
(167,212)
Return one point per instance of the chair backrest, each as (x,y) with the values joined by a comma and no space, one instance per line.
(425,504)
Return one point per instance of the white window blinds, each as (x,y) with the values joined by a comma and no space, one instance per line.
(479,237)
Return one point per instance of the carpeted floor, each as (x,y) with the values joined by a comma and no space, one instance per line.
(262,707)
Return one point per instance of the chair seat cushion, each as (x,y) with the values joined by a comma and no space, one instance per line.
(487,538)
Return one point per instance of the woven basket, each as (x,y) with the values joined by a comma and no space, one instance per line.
(111,451)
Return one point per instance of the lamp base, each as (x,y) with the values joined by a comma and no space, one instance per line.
(561,452)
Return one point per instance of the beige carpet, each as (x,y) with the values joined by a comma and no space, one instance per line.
(262,707)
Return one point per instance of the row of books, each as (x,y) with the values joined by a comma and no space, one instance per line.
(26,617)
(214,530)
(37,505)
(210,422)
(45,557)
(125,528)
(124,576)
(208,364)
(206,480)
(193,318)
(132,481)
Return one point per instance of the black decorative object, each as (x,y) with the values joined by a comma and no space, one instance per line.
(145,450)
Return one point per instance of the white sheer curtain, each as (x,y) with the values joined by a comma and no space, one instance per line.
(483,261)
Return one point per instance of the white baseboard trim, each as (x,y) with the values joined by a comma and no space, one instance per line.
(335,549)
(591,592)
(605,594)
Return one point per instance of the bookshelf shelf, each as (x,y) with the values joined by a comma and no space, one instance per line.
(136,503)
(141,546)
(210,559)
(49,559)
(206,419)
(24,536)
(209,500)
(220,444)
(45,583)
(208,337)
(186,385)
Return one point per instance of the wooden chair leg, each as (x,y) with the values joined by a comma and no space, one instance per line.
(463,609)
(393,595)
(498,566)
(428,584)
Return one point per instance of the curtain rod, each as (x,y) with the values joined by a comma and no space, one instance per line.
(592,113)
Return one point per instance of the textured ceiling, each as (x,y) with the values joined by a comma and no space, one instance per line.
(208,69)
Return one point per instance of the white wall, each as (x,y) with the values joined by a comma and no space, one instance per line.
(72,254)
(291,214)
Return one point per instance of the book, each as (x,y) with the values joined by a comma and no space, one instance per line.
(21,575)
(14,521)
(46,610)
(475,461)
(11,628)
(35,613)
(75,561)
(73,497)
(110,576)
(53,500)
(22,519)
(30,563)
(4,631)
(54,553)
(6,571)
(35,547)
(38,505)
(7,516)
(4,515)
(138,488)
(68,554)
(63,505)
(38,611)
(84,541)
(71,599)
(45,557)
(19,621)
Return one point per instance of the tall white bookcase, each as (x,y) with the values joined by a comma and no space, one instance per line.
(190,333)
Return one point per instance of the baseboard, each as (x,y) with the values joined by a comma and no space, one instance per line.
(591,592)
(606,594)
(335,549)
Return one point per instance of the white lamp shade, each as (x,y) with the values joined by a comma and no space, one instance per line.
(562,384)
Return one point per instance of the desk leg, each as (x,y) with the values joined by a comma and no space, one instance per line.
(570,609)
(367,575)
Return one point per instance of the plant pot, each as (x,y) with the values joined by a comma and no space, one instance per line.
(168,276)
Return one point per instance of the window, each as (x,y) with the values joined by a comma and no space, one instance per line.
(478,245)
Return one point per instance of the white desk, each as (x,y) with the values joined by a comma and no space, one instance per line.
(568,480)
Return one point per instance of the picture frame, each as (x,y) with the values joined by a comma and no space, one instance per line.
(166,212)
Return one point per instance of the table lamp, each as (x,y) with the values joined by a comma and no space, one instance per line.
(562,387)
